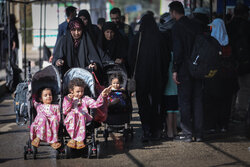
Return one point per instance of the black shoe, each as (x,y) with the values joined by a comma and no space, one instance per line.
(169,138)
(156,136)
(183,138)
(145,138)
(199,139)
(211,131)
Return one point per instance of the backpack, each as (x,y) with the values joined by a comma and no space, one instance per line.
(204,62)
(21,103)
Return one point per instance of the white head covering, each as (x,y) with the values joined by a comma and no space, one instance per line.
(219,31)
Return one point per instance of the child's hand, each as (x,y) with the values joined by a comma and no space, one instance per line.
(70,95)
(106,91)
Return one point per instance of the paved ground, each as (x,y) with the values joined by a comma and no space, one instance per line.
(218,150)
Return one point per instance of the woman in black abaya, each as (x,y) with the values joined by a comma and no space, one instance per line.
(150,75)
(92,29)
(113,44)
(76,49)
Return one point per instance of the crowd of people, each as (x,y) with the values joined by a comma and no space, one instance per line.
(156,55)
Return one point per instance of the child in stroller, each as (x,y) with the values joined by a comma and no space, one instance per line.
(117,96)
(43,97)
(46,123)
(75,107)
(120,105)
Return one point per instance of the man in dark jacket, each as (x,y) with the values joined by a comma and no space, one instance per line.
(14,42)
(189,88)
(62,29)
(124,29)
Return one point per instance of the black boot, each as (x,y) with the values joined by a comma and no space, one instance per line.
(146,135)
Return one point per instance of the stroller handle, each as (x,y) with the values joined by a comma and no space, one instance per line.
(29,70)
(91,68)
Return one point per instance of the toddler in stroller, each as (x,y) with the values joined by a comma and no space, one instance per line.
(44,113)
(75,107)
(120,106)
(46,123)
(117,97)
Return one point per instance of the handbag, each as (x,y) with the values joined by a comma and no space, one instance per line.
(131,86)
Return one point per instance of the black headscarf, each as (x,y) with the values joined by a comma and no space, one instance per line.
(151,70)
(73,24)
(82,56)
(86,14)
(109,26)
(114,48)
(92,29)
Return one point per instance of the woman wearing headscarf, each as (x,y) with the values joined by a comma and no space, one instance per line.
(92,29)
(112,43)
(219,91)
(76,49)
(150,75)
(170,95)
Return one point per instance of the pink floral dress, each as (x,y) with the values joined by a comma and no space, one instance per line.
(76,111)
(46,123)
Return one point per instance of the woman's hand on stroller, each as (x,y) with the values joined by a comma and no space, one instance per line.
(106,91)
(118,61)
(59,62)
(93,66)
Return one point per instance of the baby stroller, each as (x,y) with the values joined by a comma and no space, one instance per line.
(92,144)
(119,117)
(48,77)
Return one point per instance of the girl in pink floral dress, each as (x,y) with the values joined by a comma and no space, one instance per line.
(75,107)
(46,124)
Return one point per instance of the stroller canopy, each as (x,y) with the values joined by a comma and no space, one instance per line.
(47,77)
(81,73)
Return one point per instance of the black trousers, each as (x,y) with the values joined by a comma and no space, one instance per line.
(149,111)
(191,106)
(218,97)
(217,111)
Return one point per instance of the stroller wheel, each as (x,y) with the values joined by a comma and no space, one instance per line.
(34,151)
(89,151)
(67,152)
(98,150)
(25,153)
